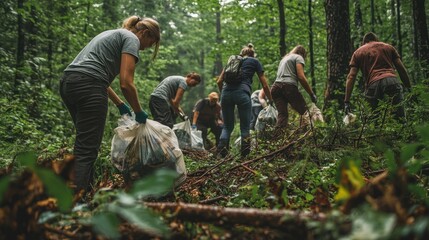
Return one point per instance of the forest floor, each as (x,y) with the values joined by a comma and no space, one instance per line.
(285,189)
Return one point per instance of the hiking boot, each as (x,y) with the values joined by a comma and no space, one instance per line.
(245,147)
(222,148)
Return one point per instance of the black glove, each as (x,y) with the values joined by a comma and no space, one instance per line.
(313,98)
(347,109)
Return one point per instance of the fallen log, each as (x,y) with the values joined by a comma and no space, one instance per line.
(286,220)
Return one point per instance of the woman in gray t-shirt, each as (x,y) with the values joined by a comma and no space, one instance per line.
(85,87)
(285,88)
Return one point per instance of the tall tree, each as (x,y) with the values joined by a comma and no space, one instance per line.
(372,16)
(339,47)
(20,45)
(421,35)
(282,35)
(310,32)
(398,25)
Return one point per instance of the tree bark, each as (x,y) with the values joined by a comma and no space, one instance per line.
(282,35)
(286,220)
(372,16)
(218,60)
(339,48)
(20,46)
(421,34)
(398,25)
(310,28)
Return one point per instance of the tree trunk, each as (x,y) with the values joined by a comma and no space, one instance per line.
(282,35)
(421,35)
(218,58)
(398,25)
(20,46)
(339,48)
(310,28)
(372,16)
(358,24)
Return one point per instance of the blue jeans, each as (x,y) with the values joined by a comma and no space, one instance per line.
(230,99)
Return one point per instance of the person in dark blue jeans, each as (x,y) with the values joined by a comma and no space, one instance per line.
(239,95)
(85,87)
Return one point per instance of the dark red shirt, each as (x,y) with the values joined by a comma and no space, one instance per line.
(375,60)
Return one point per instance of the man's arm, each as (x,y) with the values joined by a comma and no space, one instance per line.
(113,96)
(351,77)
(176,101)
(195,118)
(403,74)
(261,98)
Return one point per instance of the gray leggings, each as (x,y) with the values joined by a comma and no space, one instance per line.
(86,99)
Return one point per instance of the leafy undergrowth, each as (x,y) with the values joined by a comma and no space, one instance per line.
(362,181)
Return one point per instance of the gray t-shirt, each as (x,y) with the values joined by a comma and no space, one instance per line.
(287,69)
(101,57)
(167,88)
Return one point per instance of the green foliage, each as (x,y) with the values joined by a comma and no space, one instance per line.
(126,205)
(55,186)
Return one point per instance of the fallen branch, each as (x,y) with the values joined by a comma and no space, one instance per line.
(287,220)
(272,153)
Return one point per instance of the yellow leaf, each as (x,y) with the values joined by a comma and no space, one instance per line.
(343,194)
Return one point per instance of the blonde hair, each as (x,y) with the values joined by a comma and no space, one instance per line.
(248,51)
(135,24)
(300,50)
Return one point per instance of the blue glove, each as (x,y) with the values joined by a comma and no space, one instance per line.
(194,127)
(141,116)
(124,109)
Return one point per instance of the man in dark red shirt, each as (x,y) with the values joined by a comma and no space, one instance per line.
(378,62)
(207,115)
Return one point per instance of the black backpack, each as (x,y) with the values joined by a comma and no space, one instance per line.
(232,73)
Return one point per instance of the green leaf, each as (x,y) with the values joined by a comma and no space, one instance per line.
(57,188)
(142,218)
(27,159)
(424,131)
(408,151)
(309,197)
(157,184)
(4,184)
(390,160)
(106,224)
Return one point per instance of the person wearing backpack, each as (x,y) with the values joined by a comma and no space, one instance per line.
(285,89)
(235,86)
(164,102)
(207,116)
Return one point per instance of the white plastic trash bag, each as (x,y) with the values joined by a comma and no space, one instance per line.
(197,140)
(267,118)
(153,146)
(183,134)
(349,118)
(124,134)
(188,138)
